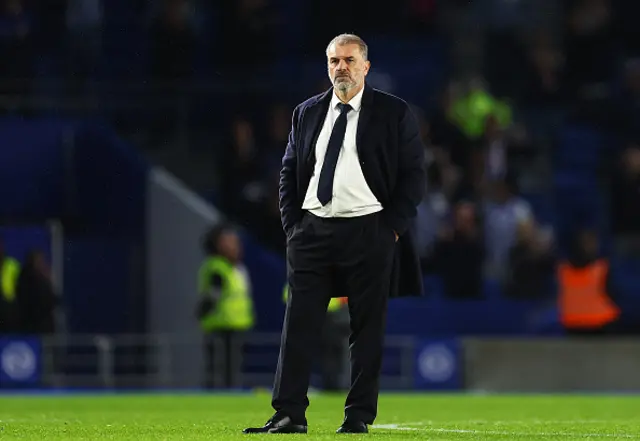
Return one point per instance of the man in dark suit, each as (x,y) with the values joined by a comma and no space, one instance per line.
(350,184)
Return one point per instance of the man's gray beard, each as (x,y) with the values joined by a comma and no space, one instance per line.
(343,86)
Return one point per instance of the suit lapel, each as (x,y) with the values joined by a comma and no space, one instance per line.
(316,114)
(365,116)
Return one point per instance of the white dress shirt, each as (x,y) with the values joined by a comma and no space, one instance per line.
(351,195)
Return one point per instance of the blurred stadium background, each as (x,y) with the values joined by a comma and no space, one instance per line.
(129,127)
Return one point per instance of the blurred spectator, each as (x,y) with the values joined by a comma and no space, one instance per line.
(16,48)
(420,16)
(36,297)
(241,172)
(542,95)
(625,202)
(543,80)
(279,125)
(589,47)
(586,289)
(432,214)
(503,151)
(504,53)
(265,219)
(248,32)
(443,179)
(531,263)
(9,273)
(172,43)
(627,105)
(438,158)
(490,160)
(84,25)
(225,309)
(261,170)
(470,110)
(504,210)
(171,57)
(445,133)
(459,254)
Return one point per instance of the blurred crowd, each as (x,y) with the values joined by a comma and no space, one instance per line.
(495,150)
(493,141)
(180,36)
(494,154)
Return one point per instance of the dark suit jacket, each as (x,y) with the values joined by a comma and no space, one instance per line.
(391,156)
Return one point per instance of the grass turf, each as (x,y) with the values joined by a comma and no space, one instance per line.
(401,417)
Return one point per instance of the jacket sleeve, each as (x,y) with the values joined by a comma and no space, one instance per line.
(409,189)
(288,187)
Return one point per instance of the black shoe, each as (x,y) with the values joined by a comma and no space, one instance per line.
(351,426)
(278,424)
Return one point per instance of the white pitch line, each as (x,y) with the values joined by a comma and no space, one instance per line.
(38,420)
(545,434)
(539,421)
(506,432)
(394,427)
(505,422)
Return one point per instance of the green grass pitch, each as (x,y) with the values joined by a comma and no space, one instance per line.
(401,417)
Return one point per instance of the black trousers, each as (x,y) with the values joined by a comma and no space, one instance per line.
(326,258)
(334,342)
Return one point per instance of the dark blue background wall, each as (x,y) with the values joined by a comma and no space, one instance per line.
(81,173)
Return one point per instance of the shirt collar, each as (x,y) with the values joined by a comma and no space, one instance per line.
(355,102)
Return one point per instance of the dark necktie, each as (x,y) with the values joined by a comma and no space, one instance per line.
(325,184)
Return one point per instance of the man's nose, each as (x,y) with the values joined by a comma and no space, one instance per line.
(342,66)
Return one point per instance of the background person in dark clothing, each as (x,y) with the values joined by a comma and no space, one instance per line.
(36,298)
(625,202)
(172,43)
(459,253)
(531,263)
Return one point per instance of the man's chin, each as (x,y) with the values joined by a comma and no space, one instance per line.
(343,86)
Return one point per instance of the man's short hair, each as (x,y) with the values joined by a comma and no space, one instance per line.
(343,39)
